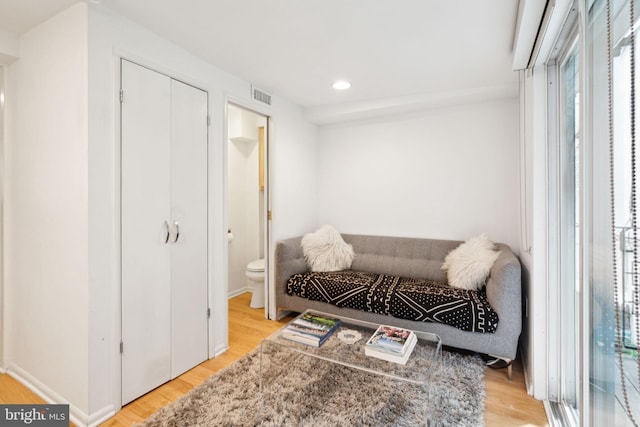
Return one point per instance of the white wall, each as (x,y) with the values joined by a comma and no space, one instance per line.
(293,180)
(46,223)
(9,46)
(293,156)
(111,36)
(447,173)
(61,295)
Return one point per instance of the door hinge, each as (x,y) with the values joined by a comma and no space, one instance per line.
(208,312)
(121,347)
(208,120)
(269,216)
(121,95)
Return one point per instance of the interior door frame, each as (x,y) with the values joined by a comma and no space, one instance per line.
(268,194)
(3,101)
(126,55)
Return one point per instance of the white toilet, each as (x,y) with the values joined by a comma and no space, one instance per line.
(255,279)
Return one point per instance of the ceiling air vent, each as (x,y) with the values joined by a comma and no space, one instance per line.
(260,96)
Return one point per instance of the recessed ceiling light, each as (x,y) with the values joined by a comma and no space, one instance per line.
(341,85)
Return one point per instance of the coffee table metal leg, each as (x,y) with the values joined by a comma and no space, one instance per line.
(261,349)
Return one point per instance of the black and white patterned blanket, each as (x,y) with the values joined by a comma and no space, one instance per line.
(405,298)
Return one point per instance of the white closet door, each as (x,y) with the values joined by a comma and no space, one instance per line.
(189,344)
(146,271)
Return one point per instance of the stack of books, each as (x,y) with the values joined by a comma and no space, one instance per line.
(311,329)
(391,344)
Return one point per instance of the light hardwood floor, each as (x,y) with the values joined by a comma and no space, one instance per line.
(507,402)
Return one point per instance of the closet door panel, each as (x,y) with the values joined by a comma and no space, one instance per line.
(145,198)
(189,217)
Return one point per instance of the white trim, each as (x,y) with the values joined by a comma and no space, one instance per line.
(217,243)
(559,259)
(248,104)
(119,55)
(530,13)
(525,239)
(554,195)
(146,62)
(562,254)
(223,286)
(3,139)
(559,415)
(116,321)
(553,422)
(77,416)
(556,22)
(527,374)
(246,289)
(538,308)
(271,309)
(269,272)
(99,417)
(584,300)
(535,131)
(220,350)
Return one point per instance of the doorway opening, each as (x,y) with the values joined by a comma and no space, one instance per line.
(248,204)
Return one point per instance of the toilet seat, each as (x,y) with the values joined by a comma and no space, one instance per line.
(256,266)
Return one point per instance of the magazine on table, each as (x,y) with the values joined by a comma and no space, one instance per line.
(391,343)
(311,328)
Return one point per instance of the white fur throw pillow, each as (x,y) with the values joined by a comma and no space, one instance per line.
(325,250)
(469,264)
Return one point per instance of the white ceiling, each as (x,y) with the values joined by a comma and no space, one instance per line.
(297,48)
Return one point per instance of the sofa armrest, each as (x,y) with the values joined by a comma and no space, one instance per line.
(504,291)
(289,261)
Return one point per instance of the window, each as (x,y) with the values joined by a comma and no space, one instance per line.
(564,221)
(614,398)
(570,208)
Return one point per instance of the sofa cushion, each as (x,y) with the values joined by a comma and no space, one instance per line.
(468,265)
(413,299)
(325,250)
(400,256)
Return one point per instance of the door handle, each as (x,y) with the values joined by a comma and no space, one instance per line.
(166,227)
(175,223)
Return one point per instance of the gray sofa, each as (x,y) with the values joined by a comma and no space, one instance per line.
(416,258)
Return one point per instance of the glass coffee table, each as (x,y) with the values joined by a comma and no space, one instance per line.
(343,348)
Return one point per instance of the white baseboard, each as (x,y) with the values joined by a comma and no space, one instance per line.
(239,292)
(527,374)
(77,416)
(220,350)
(98,417)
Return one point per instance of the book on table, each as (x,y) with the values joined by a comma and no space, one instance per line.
(391,344)
(311,328)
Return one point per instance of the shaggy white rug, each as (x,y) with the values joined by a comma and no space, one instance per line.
(302,391)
